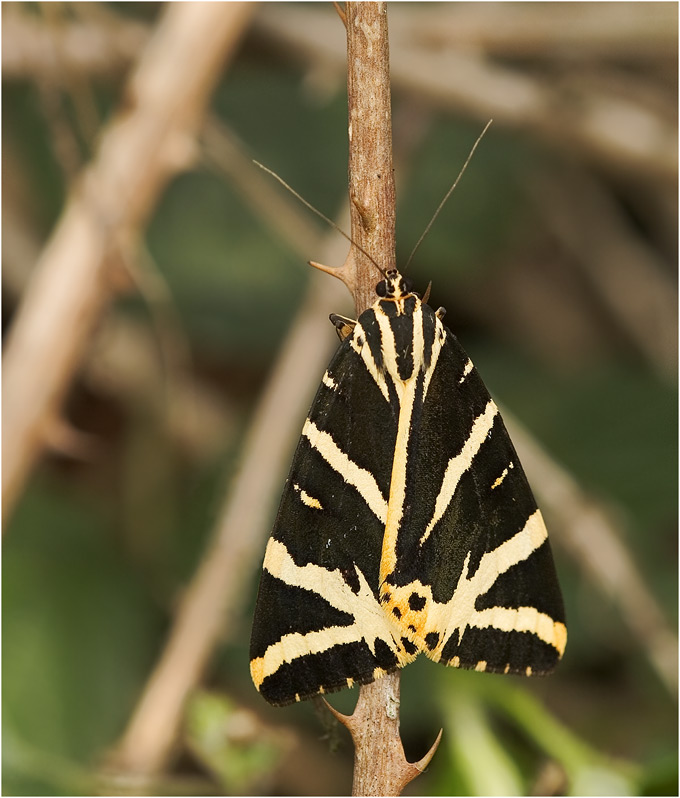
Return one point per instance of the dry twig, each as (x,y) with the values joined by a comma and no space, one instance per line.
(444,57)
(123,360)
(148,142)
(380,766)
(530,30)
(605,126)
(30,49)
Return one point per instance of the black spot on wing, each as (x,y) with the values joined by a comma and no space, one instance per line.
(409,646)
(416,602)
(384,656)
(351,579)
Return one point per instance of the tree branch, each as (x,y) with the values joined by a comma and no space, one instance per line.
(371,175)
(96,47)
(380,766)
(147,143)
(606,126)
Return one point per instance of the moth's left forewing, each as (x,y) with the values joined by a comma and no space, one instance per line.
(473,581)
(318,625)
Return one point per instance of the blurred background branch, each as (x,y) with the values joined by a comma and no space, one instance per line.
(589,531)
(96,43)
(604,119)
(217,592)
(139,152)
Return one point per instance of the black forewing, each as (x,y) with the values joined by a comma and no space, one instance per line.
(341,534)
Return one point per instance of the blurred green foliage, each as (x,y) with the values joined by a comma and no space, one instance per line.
(89,584)
(79,635)
(233,747)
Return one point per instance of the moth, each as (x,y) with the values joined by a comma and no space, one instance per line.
(406,525)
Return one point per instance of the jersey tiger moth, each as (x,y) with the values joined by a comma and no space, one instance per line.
(406,524)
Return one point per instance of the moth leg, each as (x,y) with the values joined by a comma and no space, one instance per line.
(344,327)
(440,313)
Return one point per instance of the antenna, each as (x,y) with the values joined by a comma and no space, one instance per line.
(448,194)
(319,214)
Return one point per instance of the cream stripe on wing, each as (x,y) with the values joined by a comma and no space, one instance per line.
(459,612)
(364,352)
(295,644)
(370,621)
(395,509)
(523,619)
(509,553)
(459,464)
(418,345)
(353,474)
(310,501)
(329,382)
(406,391)
(437,346)
(468,368)
(389,350)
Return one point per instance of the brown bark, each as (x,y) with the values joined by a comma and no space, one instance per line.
(371,176)
(380,766)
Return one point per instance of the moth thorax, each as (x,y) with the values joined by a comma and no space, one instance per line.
(394,286)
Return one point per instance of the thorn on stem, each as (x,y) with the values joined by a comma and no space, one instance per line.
(422,763)
(341,14)
(404,771)
(346,272)
(344,719)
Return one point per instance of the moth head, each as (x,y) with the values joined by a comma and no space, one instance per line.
(394,286)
